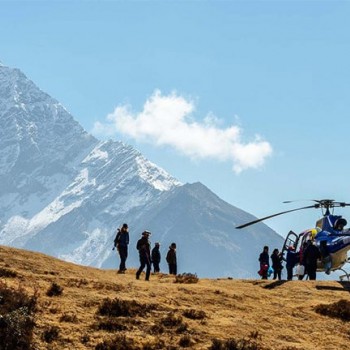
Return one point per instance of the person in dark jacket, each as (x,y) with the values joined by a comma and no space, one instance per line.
(171,259)
(291,260)
(276,259)
(121,242)
(311,255)
(156,257)
(264,262)
(144,247)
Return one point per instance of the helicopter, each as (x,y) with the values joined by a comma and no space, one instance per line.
(329,231)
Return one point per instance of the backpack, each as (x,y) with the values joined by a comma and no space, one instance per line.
(117,238)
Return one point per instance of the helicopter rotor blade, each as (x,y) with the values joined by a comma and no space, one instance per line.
(271,216)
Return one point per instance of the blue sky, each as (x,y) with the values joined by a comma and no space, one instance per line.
(260,90)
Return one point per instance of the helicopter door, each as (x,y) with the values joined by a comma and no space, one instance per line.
(291,240)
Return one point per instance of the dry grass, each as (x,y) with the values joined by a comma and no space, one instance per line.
(99,309)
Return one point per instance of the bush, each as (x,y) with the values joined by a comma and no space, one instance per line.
(185,341)
(69,317)
(157,344)
(250,343)
(340,309)
(16,318)
(7,273)
(110,324)
(50,334)
(186,278)
(171,320)
(54,290)
(119,307)
(195,314)
(120,342)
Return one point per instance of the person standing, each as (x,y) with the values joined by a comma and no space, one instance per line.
(156,257)
(311,254)
(291,260)
(171,259)
(121,242)
(144,247)
(264,262)
(301,260)
(276,259)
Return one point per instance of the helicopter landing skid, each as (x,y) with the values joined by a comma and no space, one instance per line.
(345,276)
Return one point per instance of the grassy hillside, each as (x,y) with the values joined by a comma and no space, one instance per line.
(74,307)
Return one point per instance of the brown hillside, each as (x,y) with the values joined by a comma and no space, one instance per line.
(89,307)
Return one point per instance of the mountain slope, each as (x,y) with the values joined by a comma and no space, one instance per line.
(267,314)
(203,227)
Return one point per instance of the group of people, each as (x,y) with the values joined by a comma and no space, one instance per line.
(305,260)
(146,255)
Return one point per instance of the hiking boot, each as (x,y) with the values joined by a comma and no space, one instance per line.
(120,271)
(137,277)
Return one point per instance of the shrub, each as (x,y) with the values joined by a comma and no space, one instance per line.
(171,320)
(157,329)
(54,290)
(7,273)
(339,309)
(119,307)
(195,314)
(50,334)
(249,343)
(157,344)
(85,339)
(186,278)
(110,324)
(16,318)
(185,341)
(120,342)
(69,317)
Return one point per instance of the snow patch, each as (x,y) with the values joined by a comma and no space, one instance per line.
(154,175)
(89,251)
(96,154)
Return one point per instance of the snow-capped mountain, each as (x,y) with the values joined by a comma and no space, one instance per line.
(64,193)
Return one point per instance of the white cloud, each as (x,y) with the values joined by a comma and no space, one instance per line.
(167,120)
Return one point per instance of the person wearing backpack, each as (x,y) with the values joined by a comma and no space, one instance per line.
(264,263)
(144,247)
(121,242)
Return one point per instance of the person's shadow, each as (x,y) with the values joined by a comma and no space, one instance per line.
(345,286)
(275,284)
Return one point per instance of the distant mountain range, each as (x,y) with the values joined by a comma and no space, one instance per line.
(64,193)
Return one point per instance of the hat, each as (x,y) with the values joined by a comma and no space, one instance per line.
(157,244)
(146,233)
(340,221)
(125,225)
(173,245)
